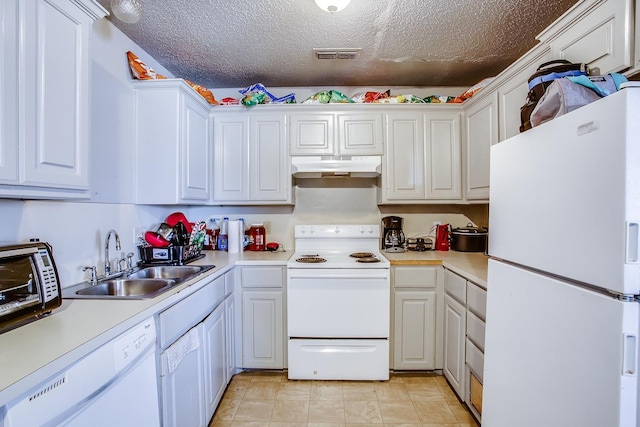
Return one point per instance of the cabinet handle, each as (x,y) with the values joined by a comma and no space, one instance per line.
(630,352)
(632,242)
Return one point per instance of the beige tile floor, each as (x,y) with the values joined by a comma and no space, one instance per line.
(256,399)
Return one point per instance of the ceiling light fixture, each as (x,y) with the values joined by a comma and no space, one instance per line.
(129,11)
(332,5)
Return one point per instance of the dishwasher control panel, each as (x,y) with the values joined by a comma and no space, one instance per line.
(130,345)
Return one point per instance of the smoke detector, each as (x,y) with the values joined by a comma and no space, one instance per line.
(342,53)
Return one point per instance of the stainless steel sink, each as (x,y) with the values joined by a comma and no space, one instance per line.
(140,288)
(166,272)
(147,282)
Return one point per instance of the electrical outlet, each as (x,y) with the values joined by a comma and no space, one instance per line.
(138,235)
(267,226)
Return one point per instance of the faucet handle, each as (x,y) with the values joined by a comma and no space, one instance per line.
(130,261)
(94,273)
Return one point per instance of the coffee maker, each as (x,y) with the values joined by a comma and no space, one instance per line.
(392,234)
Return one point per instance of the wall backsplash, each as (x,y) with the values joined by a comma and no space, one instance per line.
(77,229)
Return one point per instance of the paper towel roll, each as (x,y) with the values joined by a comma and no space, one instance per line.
(235,236)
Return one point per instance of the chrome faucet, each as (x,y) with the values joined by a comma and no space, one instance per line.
(107,261)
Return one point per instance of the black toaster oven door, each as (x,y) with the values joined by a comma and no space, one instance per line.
(21,290)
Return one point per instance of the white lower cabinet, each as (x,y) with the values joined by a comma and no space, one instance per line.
(417,318)
(465,305)
(263,325)
(215,354)
(193,355)
(454,342)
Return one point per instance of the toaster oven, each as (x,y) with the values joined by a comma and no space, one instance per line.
(29,285)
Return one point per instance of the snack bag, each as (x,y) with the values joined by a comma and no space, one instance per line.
(370,97)
(204,92)
(258,94)
(229,101)
(140,70)
(328,97)
(476,88)
(438,99)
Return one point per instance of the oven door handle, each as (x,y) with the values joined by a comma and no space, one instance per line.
(338,348)
(324,276)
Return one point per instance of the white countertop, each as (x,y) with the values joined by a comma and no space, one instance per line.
(32,353)
(472,265)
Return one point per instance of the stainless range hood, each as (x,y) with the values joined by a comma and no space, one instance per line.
(336,166)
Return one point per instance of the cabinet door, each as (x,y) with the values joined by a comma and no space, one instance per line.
(55,91)
(215,354)
(454,341)
(512,94)
(312,134)
(231,158)
(415,330)
(262,329)
(360,134)
(9,92)
(230,333)
(196,157)
(444,178)
(404,175)
(182,381)
(269,164)
(601,37)
(481,133)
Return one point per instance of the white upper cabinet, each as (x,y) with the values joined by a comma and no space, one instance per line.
(344,133)
(443,174)
(422,160)
(173,144)
(48,41)
(231,157)
(270,168)
(403,176)
(251,163)
(9,92)
(481,132)
(512,93)
(598,33)
(312,134)
(360,133)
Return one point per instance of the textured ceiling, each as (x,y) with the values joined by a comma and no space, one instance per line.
(234,43)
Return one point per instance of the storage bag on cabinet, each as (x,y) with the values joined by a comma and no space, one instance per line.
(540,81)
(569,93)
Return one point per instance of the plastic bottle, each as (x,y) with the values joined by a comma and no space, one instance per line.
(245,234)
(211,238)
(257,237)
(223,237)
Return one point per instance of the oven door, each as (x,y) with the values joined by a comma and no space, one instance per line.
(338,303)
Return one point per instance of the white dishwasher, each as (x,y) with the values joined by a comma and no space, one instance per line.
(115,385)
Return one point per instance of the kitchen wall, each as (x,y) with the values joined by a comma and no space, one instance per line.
(77,229)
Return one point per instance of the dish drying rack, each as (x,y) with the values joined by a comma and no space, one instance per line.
(174,254)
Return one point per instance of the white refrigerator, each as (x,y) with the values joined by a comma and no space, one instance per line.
(564,275)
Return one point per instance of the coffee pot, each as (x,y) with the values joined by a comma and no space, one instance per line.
(392,235)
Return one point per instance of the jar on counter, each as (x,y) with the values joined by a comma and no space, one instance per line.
(257,237)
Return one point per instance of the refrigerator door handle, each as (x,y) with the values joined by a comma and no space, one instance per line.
(630,351)
(632,242)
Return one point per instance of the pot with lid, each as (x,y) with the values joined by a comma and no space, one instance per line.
(469,239)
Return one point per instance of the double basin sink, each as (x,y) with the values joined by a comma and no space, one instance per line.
(147,282)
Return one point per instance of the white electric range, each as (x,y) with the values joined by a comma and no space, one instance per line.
(338,304)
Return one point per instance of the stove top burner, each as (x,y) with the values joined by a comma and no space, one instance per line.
(310,259)
(368,259)
(362,255)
